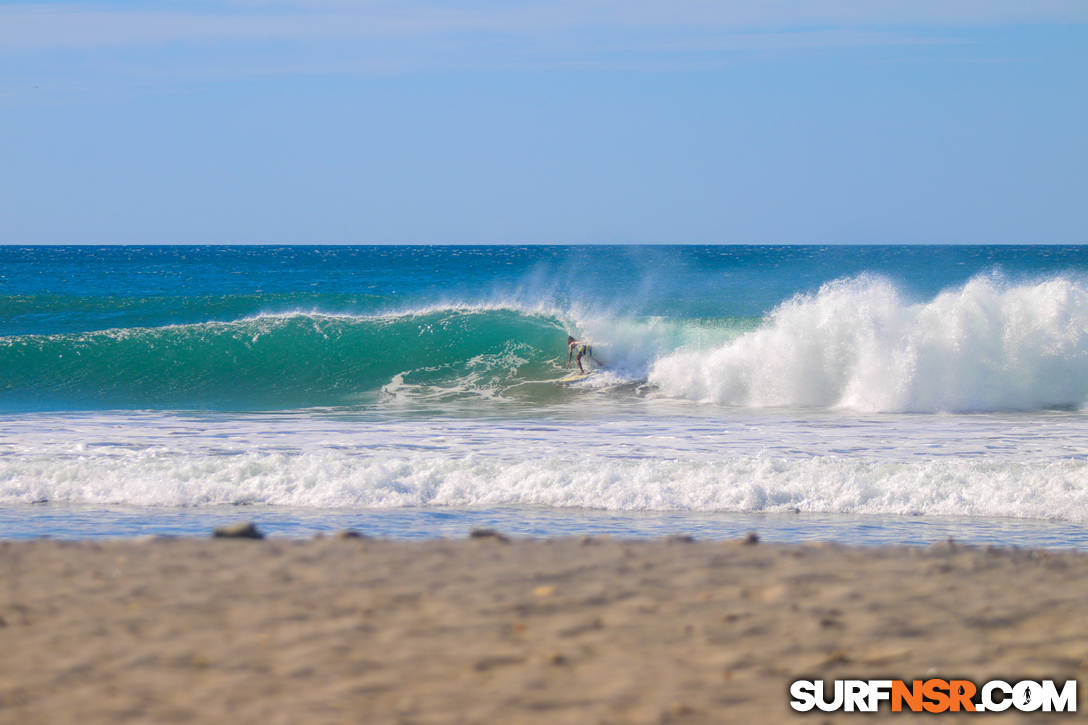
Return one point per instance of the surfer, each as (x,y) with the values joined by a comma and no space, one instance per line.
(576,349)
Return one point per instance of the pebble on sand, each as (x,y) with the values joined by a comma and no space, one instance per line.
(487,534)
(244,530)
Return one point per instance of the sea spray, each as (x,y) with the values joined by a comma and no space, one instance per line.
(860,344)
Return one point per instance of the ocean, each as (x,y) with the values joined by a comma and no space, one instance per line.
(860,394)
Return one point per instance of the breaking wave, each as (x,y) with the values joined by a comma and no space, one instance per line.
(856,344)
(276,361)
(859,344)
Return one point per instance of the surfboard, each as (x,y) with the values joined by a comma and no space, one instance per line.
(575,377)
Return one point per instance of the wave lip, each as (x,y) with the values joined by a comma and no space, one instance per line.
(858,344)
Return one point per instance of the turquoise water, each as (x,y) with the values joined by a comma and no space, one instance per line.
(897,384)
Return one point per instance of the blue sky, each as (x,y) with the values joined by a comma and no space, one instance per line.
(328,121)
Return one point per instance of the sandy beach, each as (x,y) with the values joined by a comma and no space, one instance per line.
(524,631)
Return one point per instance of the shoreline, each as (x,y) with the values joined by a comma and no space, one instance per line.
(575,630)
(102,522)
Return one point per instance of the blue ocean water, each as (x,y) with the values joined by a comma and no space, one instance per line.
(866,394)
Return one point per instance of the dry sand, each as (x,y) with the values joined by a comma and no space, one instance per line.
(486,631)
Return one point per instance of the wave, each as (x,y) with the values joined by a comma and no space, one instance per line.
(310,359)
(858,344)
(57,313)
(332,478)
(283,360)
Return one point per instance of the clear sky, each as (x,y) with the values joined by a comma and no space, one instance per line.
(480,121)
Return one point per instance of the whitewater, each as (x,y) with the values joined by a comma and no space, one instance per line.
(865,392)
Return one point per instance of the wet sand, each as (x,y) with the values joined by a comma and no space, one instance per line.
(490,631)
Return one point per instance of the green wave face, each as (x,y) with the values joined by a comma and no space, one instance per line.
(280,361)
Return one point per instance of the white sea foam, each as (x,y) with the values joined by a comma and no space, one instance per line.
(1018,466)
(327,479)
(858,344)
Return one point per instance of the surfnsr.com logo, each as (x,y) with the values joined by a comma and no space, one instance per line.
(933,695)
